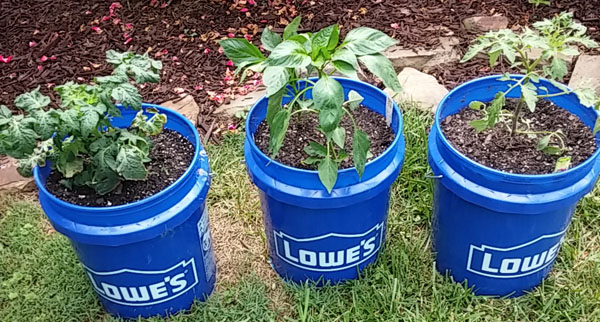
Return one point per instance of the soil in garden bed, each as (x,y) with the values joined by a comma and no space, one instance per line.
(171,155)
(303,130)
(495,147)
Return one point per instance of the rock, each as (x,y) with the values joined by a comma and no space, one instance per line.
(10,179)
(420,59)
(586,73)
(485,23)
(186,106)
(420,88)
(240,103)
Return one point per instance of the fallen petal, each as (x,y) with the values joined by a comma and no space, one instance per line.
(251,2)
(128,41)
(395,26)
(248,37)
(31,44)
(229,63)
(43,59)
(129,26)
(231,127)
(40,68)
(52,57)
(230,35)
(206,51)
(116,21)
(105,18)
(97,29)
(174,58)
(178,90)
(5,60)
(87,12)
(244,10)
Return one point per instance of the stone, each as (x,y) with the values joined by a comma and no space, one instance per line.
(446,53)
(586,73)
(420,88)
(185,105)
(10,179)
(485,23)
(240,103)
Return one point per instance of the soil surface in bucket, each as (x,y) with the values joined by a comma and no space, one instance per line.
(171,155)
(496,149)
(303,130)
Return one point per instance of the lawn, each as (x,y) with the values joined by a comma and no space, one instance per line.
(42,280)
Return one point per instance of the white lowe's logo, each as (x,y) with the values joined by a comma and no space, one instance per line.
(140,288)
(330,252)
(517,261)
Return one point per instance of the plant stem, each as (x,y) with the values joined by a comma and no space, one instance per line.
(351,117)
(305,110)
(555,94)
(515,118)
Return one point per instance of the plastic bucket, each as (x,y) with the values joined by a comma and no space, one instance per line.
(314,235)
(150,257)
(500,232)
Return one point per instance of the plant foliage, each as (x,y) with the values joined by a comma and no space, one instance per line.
(293,57)
(78,138)
(553,39)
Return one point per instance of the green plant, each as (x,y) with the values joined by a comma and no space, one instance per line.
(79,139)
(285,73)
(537,3)
(552,39)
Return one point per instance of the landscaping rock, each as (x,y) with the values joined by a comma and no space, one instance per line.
(240,103)
(10,179)
(420,59)
(420,88)
(485,23)
(185,105)
(586,73)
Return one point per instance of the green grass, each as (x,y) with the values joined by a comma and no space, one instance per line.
(41,280)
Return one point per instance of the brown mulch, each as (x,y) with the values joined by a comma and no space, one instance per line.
(179,33)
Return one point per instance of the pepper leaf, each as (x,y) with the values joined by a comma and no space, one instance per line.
(240,50)
(292,28)
(360,148)
(328,173)
(368,41)
(270,39)
(382,67)
(339,136)
(315,149)
(280,125)
(289,54)
(275,78)
(328,96)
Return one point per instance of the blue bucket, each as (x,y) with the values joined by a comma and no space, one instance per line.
(150,257)
(500,232)
(317,236)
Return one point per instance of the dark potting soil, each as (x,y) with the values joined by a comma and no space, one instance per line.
(495,147)
(171,155)
(303,130)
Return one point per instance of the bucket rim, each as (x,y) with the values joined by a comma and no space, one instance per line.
(555,175)
(140,203)
(396,140)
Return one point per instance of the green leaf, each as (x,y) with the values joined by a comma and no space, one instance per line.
(5,115)
(32,101)
(382,67)
(494,109)
(596,126)
(275,78)
(114,57)
(328,96)
(127,95)
(274,106)
(472,52)
(342,155)
(112,79)
(345,69)
(339,136)
(104,180)
(46,123)
(70,168)
(587,96)
(322,38)
(270,39)
(89,123)
(334,39)
(476,105)
(311,160)
(360,148)
(558,68)
(289,54)
(277,131)
(152,126)
(141,68)
(552,150)
(240,50)
(328,173)
(20,138)
(130,163)
(70,122)
(367,41)
(529,94)
(543,142)
(315,149)
(292,28)
(479,125)
(354,99)
(562,164)
(494,57)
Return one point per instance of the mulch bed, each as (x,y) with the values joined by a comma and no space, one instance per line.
(183,34)
(303,130)
(495,147)
(171,155)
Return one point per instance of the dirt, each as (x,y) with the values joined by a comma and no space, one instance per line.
(495,147)
(171,155)
(304,129)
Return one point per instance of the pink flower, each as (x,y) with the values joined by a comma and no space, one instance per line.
(230,35)
(128,41)
(231,127)
(43,59)
(244,10)
(395,25)
(5,60)
(31,44)
(129,26)
(40,68)
(248,37)
(52,57)
(229,63)
(206,51)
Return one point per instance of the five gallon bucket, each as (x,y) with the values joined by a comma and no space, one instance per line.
(500,233)
(150,257)
(314,235)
